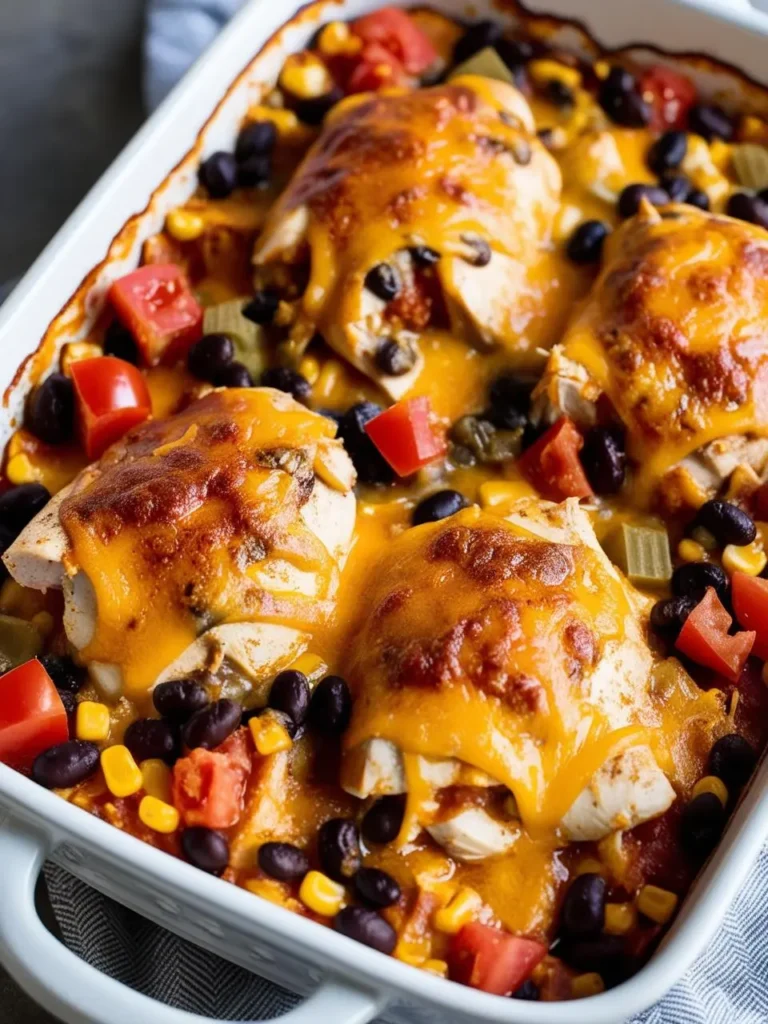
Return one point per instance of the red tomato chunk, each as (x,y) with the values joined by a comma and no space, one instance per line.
(705,638)
(492,960)
(398,35)
(750,603)
(404,435)
(32,716)
(671,96)
(209,785)
(553,466)
(112,396)
(157,306)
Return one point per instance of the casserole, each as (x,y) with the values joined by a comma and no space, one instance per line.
(358,1004)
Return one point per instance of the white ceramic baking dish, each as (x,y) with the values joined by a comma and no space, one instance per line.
(350,984)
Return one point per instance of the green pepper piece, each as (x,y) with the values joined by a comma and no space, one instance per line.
(487,63)
(643,553)
(248,338)
(19,642)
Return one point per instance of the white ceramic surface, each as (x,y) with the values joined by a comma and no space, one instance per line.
(350,983)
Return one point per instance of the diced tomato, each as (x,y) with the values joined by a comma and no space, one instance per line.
(404,435)
(670,94)
(398,34)
(553,466)
(112,396)
(705,638)
(156,305)
(209,785)
(373,69)
(32,716)
(750,603)
(493,960)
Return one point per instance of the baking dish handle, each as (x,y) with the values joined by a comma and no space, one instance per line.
(77,993)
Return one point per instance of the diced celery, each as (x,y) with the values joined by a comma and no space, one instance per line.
(643,553)
(486,63)
(248,338)
(19,641)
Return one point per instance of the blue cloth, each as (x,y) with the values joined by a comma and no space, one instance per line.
(727,985)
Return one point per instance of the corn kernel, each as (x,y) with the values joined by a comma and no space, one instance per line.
(321,894)
(691,551)
(43,623)
(156,778)
(75,351)
(496,492)
(602,69)
(748,558)
(703,537)
(310,665)
(711,784)
(122,774)
(269,736)
(545,70)
(158,815)
(20,470)
(269,889)
(309,367)
(304,75)
(658,904)
(438,967)
(330,376)
(336,40)
(620,918)
(92,721)
(460,911)
(720,153)
(409,953)
(184,226)
(587,985)
(589,866)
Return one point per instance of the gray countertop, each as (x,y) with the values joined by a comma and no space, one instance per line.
(69,81)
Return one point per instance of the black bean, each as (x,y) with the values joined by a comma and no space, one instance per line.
(283,378)
(66,764)
(701,824)
(255,171)
(619,96)
(376,887)
(383,281)
(476,38)
(209,356)
(510,397)
(218,174)
(179,699)
(371,466)
(668,615)
(382,823)
(257,139)
(698,198)
(119,342)
(604,953)
(314,110)
(586,243)
(66,675)
(667,152)
(423,256)
(481,253)
(528,990)
(394,359)
(330,706)
(727,523)
(68,700)
(51,410)
(338,848)
(20,505)
(210,726)
(583,912)
(283,861)
(205,848)
(629,200)
(151,738)
(710,121)
(693,578)
(733,760)
(559,94)
(367,927)
(514,52)
(749,208)
(262,307)
(235,375)
(604,460)
(677,187)
(289,693)
(438,506)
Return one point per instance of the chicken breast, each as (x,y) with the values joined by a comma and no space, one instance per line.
(671,344)
(509,652)
(216,535)
(442,200)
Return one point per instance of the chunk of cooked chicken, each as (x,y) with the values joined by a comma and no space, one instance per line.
(211,535)
(672,338)
(510,651)
(457,169)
